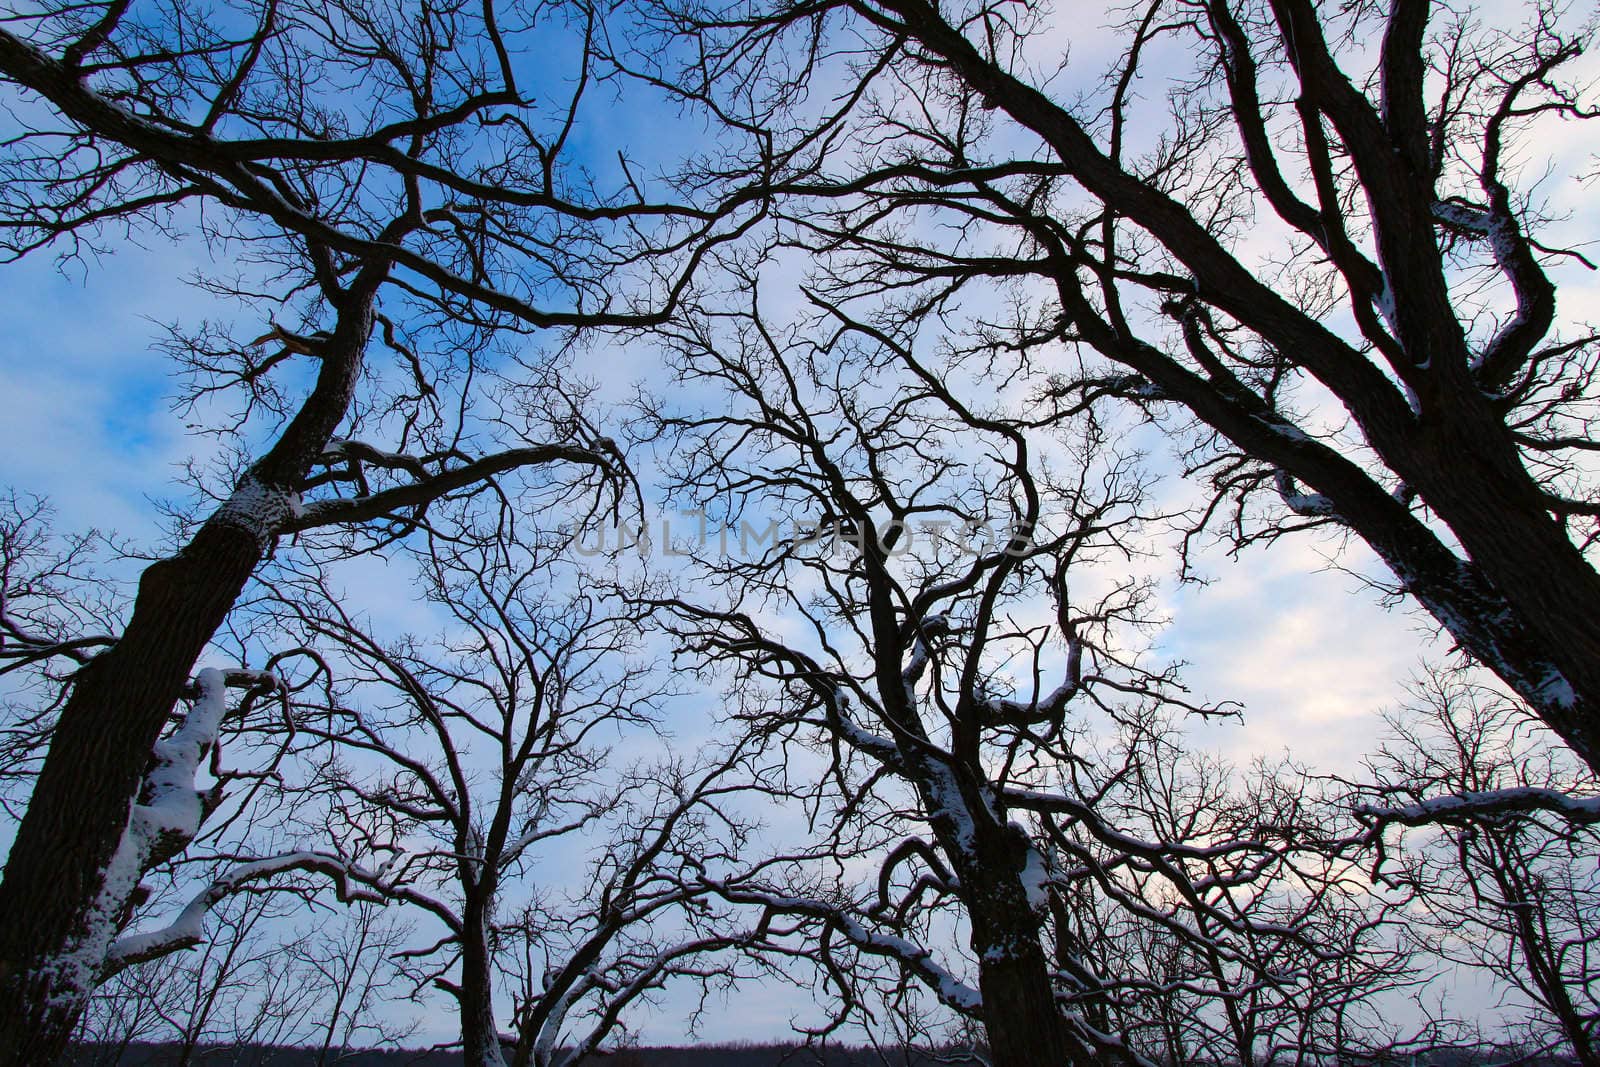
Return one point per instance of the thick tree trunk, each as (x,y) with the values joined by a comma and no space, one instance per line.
(1476,484)
(58,912)
(480,1039)
(1023,1021)
(67,888)
(1024,1025)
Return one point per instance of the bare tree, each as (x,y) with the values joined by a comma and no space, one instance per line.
(122,1011)
(54,594)
(471,779)
(1244,924)
(1315,229)
(352,972)
(258,982)
(385,175)
(931,596)
(1501,846)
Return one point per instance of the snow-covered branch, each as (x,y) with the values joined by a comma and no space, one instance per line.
(162,821)
(1307,505)
(1487,804)
(916,960)
(188,928)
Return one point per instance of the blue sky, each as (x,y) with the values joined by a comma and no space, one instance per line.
(89,423)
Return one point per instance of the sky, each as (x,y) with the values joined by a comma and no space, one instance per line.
(89,420)
(89,423)
(91,426)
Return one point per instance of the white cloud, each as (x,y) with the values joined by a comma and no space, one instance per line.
(1310,651)
(89,422)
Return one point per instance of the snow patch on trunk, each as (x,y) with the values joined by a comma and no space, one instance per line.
(1035,875)
(258,509)
(168,819)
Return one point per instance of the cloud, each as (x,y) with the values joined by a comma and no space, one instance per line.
(1310,651)
(89,422)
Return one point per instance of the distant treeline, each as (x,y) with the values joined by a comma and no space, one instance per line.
(726,1055)
(723,1055)
(736,1055)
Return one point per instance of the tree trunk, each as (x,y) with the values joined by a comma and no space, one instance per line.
(480,1038)
(58,912)
(1477,485)
(1024,1025)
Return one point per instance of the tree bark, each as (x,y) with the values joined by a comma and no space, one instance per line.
(61,903)
(1472,478)
(480,1038)
(57,911)
(1023,1021)
(1020,1015)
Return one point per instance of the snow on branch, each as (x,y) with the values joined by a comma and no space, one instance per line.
(881,748)
(188,929)
(1308,505)
(357,453)
(174,808)
(1463,807)
(932,626)
(1053,706)
(1035,800)
(163,822)
(1462,216)
(263,511)
(916,960)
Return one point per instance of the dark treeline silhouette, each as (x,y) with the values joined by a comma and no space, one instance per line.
(730,1055)
(146,1054)
(741,1054)
(735,1054)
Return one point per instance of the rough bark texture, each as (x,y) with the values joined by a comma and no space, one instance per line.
(1023,1024)
(1474,480)
(81,803)
(58,911)
(480,1039)
(1022,1018)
